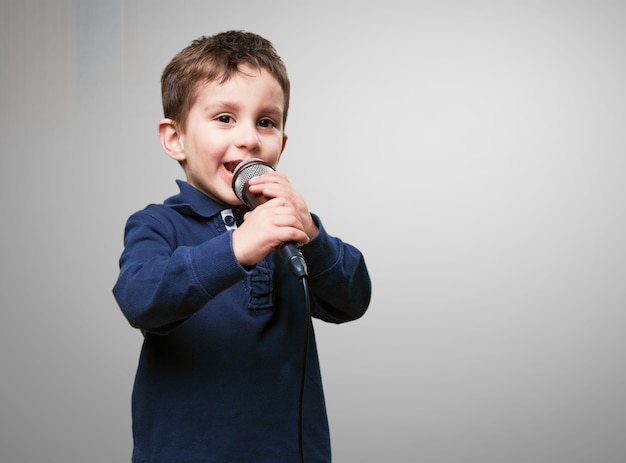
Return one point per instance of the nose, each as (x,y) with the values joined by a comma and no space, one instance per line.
(247,136)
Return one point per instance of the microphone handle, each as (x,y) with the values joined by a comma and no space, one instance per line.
(290,253)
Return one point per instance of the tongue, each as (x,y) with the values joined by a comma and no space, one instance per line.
(230,166)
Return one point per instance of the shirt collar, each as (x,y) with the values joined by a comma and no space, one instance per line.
(191,201)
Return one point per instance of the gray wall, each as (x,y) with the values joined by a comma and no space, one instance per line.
(474,150)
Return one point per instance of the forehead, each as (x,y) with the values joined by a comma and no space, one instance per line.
(247,85)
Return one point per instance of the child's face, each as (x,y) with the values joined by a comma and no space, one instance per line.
(239,119)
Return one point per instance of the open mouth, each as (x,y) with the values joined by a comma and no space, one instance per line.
(231,165)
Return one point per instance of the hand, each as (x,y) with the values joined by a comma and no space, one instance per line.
(284,217)
(276,185)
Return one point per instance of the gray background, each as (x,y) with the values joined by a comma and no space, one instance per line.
(473,150)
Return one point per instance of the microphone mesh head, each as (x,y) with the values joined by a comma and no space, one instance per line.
(246,170)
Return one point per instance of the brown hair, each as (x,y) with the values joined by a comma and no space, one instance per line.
(216,58)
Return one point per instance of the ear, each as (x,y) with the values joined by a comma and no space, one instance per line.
(283,147)
(171,140)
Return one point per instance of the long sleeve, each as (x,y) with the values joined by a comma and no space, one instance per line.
(163,282)
(338,278)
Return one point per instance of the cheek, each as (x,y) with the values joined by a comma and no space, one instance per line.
(205,152)
(278,149)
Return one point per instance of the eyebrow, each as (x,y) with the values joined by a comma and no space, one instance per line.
(213,106)
(273,110)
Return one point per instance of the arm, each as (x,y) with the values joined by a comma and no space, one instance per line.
(161,284)
(338,278)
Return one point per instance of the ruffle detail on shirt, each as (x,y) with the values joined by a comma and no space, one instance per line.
(261,286)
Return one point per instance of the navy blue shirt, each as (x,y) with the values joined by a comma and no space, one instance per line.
(219,373)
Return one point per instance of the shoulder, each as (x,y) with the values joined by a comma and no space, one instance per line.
(155,213)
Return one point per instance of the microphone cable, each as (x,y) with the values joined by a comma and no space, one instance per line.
(307,327)
(291,255)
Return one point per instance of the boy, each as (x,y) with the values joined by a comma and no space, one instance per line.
(223,318)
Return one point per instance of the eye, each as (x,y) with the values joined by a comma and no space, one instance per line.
(224,118)
(266,123)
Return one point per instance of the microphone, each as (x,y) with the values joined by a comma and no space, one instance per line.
(255,167)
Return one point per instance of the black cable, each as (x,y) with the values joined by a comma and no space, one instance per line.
(307,327)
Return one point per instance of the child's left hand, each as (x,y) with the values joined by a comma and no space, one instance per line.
(277,185)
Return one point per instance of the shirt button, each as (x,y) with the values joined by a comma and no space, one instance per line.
(229,220)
